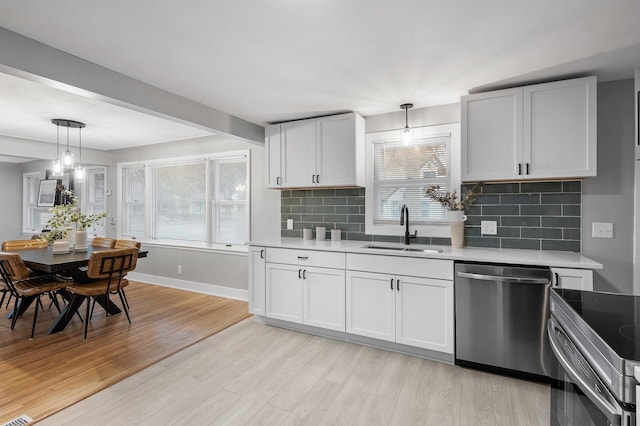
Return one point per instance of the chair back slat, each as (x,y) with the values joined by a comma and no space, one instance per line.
(23,244)
(15,267)
(127,244)
(103,242)
(112,265)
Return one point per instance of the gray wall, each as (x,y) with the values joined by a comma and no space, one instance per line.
(609,196)
(11,223)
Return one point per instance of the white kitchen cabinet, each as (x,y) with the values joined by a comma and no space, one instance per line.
(573,279)
(540,131)
(402,309)
(257,282)
(300,293)
(318,152)
(636,102)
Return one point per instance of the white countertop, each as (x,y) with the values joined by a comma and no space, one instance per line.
(559,259)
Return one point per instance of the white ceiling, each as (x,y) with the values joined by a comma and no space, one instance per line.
(286,59)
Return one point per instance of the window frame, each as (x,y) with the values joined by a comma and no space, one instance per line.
(434,228)
(149,201)
(27,207)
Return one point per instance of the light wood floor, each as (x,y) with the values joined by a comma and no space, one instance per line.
(251,373)
(50,372)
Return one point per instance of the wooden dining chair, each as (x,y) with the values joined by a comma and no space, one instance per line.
(125,244)
(107,268)
(25,287)
(13,245)
(103,242)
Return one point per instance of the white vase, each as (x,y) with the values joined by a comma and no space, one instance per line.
(456,223)
(81,240)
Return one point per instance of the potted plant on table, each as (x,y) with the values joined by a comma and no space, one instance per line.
(456,207)
(69,222)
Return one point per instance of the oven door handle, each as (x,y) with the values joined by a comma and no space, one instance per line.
(613,413)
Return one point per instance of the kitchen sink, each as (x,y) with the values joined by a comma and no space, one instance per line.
(402,248)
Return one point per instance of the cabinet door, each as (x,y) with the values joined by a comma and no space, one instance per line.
(298,153)
(273,156)
(424,313)
(336,150)
(284,292)
(324,298)
(492,135)
(371,305)
(257,280)
(573,279)
(560,128)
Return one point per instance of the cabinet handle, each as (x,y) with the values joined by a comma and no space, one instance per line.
(557,283)
(317,178)
(262,254)
(304,274)
(519,168)
(398,284)
(299,274)
(391,284)
(303,257)
(278,181)
(527,168)
(313,178)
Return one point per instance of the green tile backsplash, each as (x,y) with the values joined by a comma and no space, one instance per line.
(532,215)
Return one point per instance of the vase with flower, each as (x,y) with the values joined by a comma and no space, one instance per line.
(456,208)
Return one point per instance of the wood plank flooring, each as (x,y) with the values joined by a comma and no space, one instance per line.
(41,376)
(253,374)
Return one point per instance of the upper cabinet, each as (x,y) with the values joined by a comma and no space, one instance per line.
(318,152)
(541,131)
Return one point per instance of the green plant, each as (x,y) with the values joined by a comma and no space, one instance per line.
(449,199)
(67,215)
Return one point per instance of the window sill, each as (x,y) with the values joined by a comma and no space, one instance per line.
(218,247)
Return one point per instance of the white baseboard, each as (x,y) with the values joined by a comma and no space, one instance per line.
(212,289)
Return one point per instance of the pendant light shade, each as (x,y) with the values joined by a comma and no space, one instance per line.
(80,171)
(67,159)
(406,136)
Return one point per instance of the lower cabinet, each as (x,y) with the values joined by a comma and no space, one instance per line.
(306,295)
(573,279)
(402,309)
(257,286)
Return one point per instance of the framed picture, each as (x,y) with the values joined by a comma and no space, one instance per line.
(47,193)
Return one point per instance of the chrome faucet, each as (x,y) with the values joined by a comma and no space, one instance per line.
(404,220)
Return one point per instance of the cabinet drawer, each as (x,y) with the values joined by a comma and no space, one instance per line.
(415,267)
(323,259)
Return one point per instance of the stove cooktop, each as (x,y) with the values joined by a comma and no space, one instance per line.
(614,317)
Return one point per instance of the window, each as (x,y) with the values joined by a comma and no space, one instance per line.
(33,217)
(399,175)
(197,201)
(92,195)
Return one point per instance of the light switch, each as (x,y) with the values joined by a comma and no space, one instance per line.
(488,227)
(289,223)
(602,230)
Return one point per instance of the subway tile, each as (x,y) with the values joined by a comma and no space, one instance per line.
(472,231)
(355,201)
(488,199)
(358,236)
(349,227)
(300,193)
(356,218)
(532,187)
(560,222)
(474,210)
(285,209)
(291,233)
(388,238)
(504,210)
(324,209)
(302,209)
(572,186)
(347,209)
(571,210)
(568,198)
(541,210)
(291,202)
(350,192)
(335,201)
(295,217)
(324,193)
(520,243)
(571,234)
(546,233)
(336,217)
(312,218)
(440,241)
(508,231)
(285,194)
(501,188)
(311,201)
(422,240)
(561,245)
(520,199)
(482,242)
(519,221)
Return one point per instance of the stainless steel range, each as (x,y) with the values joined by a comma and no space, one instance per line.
(596,340)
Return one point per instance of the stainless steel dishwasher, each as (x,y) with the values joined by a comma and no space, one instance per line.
(501,317)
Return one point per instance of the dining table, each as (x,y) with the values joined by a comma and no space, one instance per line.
(71,265)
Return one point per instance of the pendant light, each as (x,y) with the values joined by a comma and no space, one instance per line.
(406,138)
(67,158)
(80,171)
(56,165)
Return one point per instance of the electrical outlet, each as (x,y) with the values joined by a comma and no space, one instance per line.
(488,227)
(289,223)
(602,230)
(179,269)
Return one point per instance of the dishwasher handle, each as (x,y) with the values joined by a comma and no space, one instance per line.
(520,280)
